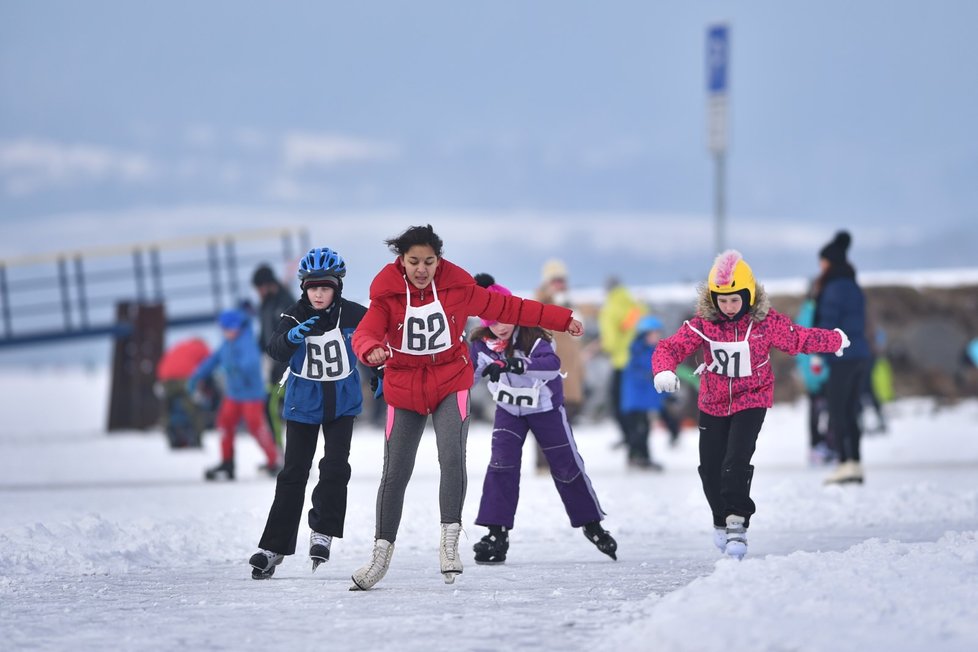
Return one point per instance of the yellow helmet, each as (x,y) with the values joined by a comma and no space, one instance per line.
(731,275)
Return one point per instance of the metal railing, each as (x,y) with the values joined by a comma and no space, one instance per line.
(74,294)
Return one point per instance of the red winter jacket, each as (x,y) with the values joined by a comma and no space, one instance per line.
(420,382)
(721,395)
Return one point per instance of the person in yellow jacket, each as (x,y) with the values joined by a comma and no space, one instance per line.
(616,326)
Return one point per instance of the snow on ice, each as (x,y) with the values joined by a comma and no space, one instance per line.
(112,541)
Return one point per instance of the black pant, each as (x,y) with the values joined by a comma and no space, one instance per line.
(726,447)
(328,511)
(615,404)
(637,428)
(842,392)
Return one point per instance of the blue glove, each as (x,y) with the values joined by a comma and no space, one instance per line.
(298,333)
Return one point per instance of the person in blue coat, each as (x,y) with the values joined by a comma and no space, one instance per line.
(840,304)
(239,360)
(322,392)
(639,397)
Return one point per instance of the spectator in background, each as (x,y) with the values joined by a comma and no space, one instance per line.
(275,300)
(616,324)
(639,397)
(239,359)
(182,419)
(840,304)
(553,290)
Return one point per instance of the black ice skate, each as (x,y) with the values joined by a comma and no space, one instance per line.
(263,564)
(223,471)
(601,538)
(319,545)
(492,548)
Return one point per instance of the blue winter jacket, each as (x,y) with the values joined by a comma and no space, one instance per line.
(318,401)
(813,381)
(637,392)
(240,362)
(841,304)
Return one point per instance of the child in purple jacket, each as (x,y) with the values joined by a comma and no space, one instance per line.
(735,327)
(524,378)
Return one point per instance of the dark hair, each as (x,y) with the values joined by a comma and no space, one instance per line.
(415,235)
(525,337)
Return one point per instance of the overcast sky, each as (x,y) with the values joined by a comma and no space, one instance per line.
(523,129)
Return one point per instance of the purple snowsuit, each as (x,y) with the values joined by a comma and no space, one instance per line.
(541,386)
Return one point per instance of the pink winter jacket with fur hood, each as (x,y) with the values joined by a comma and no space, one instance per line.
(722,395)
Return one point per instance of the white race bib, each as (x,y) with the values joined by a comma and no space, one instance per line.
(425,330)
(526,397)
(326,357)
(731,359)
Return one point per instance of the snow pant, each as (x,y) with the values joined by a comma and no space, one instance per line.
(842,392)
(670,421)
(328,512)
(403,436)
(726,447)
(228,416)
(501,488)
(637,428)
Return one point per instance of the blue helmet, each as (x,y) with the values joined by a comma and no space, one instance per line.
(648,323)
(321,262)
(232,319)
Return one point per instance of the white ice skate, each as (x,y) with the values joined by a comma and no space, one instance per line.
(366,577)
(736,537)
(720,538)
(451,563)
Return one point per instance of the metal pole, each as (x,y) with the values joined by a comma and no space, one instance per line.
(719,201)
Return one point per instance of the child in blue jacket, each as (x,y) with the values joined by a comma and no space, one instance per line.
(239,359)
(639,397)
(322,391)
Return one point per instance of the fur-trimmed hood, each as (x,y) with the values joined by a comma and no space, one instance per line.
(706,309)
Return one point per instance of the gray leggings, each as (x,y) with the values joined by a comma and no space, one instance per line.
(404,430)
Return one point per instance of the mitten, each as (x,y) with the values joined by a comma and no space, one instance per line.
(515,366)
(377,382)
(845,342)
(298,333)
(493,370)
(666,381)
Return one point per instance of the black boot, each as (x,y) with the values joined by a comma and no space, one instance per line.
(492,548)
(601,538)
(224,470)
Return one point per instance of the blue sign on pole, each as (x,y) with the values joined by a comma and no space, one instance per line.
(717,51)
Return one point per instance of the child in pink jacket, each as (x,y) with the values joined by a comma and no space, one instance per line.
(735,327)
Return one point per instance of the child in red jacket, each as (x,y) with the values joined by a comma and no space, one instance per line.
(419,305)
(735,328)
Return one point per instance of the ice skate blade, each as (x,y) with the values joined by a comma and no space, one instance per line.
(449,577)
(316,561)
(257,574)
(736,551)
(490,563)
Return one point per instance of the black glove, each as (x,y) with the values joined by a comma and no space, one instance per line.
(497,367)
(377,382)
(515,366)
(493,369)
